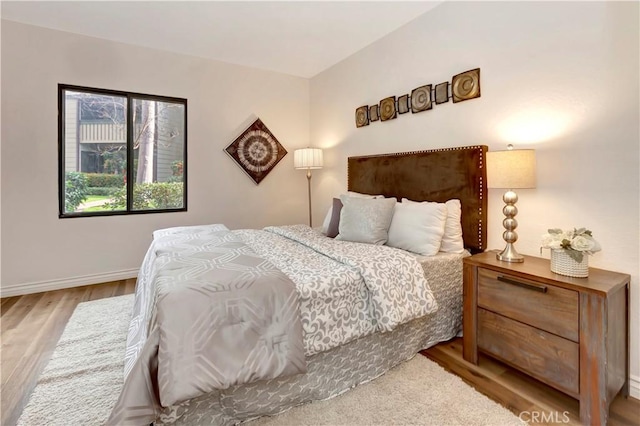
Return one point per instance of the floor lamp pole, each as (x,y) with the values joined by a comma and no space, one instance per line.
(309,192)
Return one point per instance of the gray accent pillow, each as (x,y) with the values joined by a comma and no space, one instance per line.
(365,220)
(336,208)
(329,215)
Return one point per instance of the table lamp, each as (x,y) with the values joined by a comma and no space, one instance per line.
(511,169)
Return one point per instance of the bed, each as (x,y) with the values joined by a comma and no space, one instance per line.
(362,308)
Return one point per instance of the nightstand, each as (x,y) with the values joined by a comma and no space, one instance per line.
(570,333)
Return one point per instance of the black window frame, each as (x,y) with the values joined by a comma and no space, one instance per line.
(130,96)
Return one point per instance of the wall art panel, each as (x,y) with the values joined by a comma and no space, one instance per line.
(256,151)
(464,86)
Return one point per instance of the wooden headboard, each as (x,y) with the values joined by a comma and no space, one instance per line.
(433,175)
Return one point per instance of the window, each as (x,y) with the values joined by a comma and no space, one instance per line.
(120,152)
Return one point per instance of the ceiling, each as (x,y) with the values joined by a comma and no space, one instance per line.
(294,37)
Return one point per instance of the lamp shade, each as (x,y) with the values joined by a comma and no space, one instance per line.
(511,169)
(307,158)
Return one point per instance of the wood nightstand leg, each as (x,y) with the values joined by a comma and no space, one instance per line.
(470,315)
(626,337)
(594,403)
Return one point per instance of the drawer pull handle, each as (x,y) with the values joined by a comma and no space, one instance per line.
(534,287)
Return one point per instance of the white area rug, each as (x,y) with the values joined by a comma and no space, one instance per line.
(81,384)
(417,392)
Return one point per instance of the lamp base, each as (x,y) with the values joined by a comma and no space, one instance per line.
(509,254)
(309,192)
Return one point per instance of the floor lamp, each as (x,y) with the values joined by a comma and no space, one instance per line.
(511,169)
(308,158)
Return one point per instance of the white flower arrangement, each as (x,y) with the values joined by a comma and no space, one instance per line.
(576,242)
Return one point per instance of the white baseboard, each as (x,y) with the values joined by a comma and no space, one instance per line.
(37,287)
(634,386)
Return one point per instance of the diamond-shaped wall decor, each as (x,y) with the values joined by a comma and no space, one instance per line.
(256,151)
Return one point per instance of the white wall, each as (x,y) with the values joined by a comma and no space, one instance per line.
(561,78)
(39,250)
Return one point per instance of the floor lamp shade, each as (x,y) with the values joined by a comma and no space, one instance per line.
(511,169)
(307,159)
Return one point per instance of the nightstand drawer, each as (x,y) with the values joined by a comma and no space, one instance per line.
(540,305)
(545,356)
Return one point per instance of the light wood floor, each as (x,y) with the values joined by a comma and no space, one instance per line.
(32,324)
(30,328)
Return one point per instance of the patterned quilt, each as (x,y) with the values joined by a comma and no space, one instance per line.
(347,290)
(207,299)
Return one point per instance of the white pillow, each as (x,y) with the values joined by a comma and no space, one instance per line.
(365,220)
(452,241)
(327,218)
(418,227)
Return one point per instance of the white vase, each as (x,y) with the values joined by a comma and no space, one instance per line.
(563,264)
